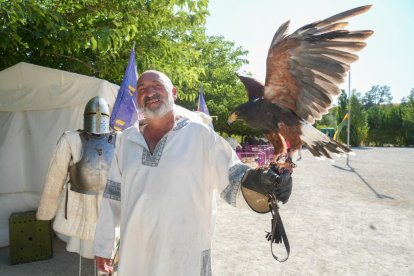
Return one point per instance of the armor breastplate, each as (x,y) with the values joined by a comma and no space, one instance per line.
(89,175)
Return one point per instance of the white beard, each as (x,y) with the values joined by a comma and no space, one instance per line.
(165,107)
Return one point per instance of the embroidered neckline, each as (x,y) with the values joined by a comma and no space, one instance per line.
(153,159)
(180,124)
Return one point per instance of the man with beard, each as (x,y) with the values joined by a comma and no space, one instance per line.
(162,187)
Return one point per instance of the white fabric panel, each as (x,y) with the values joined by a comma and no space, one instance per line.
(37,104)
(31,87)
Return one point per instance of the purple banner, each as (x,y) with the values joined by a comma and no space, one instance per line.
(125,111)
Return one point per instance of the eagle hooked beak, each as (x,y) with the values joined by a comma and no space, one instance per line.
(233,117)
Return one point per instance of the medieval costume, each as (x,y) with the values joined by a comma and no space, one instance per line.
(168,217)
(162,189)
(76,178)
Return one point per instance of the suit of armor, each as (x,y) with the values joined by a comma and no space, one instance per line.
(76,178)
(88,176)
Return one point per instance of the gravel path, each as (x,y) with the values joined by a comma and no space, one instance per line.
(340,220)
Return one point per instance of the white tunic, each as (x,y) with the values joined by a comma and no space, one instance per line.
(165,202)
(82,211)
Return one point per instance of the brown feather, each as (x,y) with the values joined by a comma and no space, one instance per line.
(303,74)
(254,87)
(344,35)
(351,46)
(278,143)
(322,64)
(316,58)
(280,34)
(336,55)
(331,20)
(291,134)
(344,15)
(332,27)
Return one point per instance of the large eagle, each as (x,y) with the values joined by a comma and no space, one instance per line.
(303,71)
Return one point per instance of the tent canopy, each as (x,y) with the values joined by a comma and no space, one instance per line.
(37,104)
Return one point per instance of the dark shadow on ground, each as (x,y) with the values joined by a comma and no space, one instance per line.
(343,168)
(350,169)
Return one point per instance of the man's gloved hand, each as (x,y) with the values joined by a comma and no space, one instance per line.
(266,181)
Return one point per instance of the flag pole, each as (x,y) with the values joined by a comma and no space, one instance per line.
(349,116)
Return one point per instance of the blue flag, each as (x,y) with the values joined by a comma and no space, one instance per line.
(125,111)
(201,105)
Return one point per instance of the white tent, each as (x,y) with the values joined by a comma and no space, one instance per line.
(37,104)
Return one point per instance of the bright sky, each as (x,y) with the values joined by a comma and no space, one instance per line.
(387,60)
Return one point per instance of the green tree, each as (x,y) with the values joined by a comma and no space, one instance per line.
(394,125)
(377,95)
(375,121)
(407,109)
(385,125)
(328,120)
(221,60)
(358,127)
(94,37)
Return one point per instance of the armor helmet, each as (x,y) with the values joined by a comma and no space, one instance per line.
(96,116)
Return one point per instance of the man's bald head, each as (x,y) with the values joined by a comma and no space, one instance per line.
(161,76)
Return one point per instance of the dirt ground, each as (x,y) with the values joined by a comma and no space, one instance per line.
(342,219)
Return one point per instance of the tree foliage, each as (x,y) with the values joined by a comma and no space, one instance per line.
(407,111)
(385,125)
(377,95)
(358,126)
(392,124)
(375,123)
(328,120)
(223,92)
(94,37)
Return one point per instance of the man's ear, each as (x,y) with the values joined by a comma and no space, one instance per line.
(174,92)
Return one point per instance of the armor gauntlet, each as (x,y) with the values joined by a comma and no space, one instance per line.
(258,185)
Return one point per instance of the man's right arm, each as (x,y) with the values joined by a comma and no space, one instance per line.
(109,218)
(108,221)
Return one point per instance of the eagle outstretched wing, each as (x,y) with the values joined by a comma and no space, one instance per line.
(305,68)
(303,73)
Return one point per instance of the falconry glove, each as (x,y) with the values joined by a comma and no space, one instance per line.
(266,183)
(262,188)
